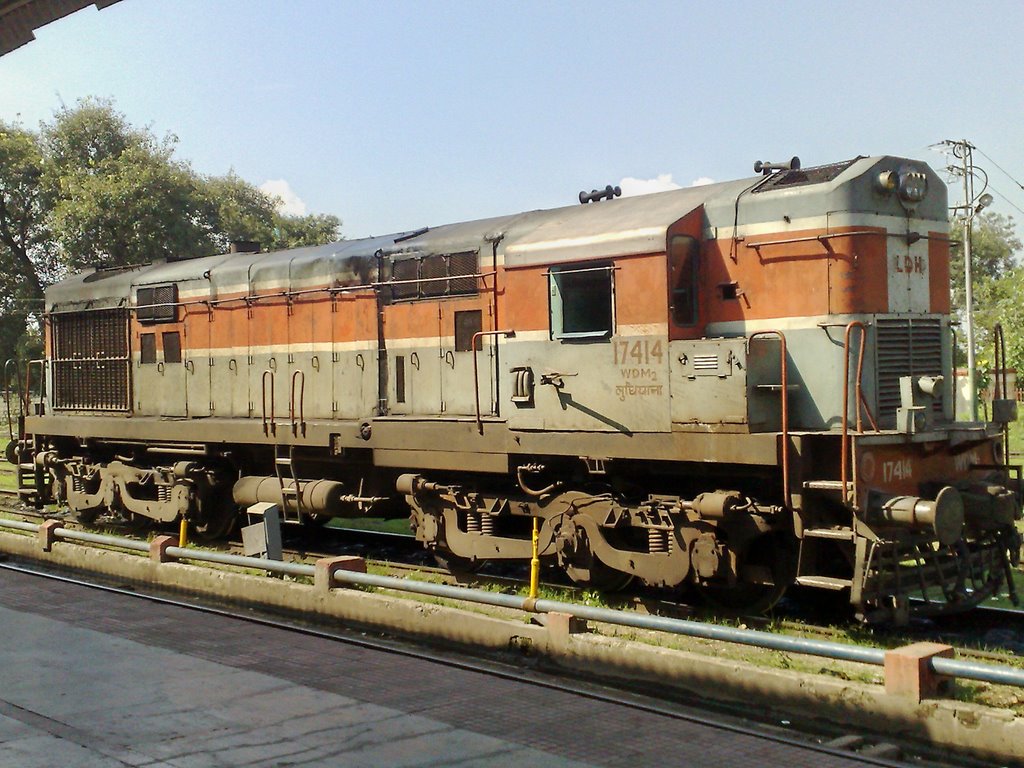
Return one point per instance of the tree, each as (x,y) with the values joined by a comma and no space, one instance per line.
(24,235)
(298,231)
(90,189)
(997,277)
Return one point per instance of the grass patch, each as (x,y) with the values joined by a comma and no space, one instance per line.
(379,524)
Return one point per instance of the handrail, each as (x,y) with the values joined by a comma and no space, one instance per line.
(858,399)
(784,396)
(28,384)
(508,333)
(12,362)
(269,427)
(967,670)
(301,377)
(1001,382)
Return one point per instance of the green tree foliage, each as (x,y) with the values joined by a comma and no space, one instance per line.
(90,189)
(998,285)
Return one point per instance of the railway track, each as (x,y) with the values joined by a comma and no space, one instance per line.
(985,633)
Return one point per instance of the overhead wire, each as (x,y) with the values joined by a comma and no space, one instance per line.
(997,165)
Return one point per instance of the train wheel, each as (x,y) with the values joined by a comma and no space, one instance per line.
(217,518)
(315,519)
(86,516)
(774,553)
(456,564)
(599,576)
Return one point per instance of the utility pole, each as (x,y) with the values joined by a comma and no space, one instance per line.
(963,150)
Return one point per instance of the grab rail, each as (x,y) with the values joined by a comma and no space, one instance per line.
(269,427)
(784,396)
(476,376)
(301,423)
(858,399)
(7,394)
(1001,390)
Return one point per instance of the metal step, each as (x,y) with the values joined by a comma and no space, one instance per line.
(828,533)
(825,485)
(824,582)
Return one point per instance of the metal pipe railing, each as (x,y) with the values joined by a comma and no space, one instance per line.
(784,396)
(966,670)
(508,333)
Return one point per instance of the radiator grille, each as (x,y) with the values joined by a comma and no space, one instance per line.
(90,357)
(906,347)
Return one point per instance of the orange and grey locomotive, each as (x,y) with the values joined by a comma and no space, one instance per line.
(733,388)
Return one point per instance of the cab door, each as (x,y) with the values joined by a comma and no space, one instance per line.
(197,361)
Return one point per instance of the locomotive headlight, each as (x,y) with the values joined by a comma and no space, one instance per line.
(886,182)
(913,186)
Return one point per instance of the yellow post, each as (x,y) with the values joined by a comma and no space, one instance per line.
(534,563)
(183,533)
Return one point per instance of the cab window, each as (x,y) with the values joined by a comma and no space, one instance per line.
(581,302)
(684,258)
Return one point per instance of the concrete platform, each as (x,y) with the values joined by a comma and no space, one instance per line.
(89,678)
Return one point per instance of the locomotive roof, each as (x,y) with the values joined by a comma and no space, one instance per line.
(623,226)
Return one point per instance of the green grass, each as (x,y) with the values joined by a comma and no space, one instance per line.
(397,525)
(8,476)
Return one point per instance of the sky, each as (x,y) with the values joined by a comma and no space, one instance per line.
(397,115)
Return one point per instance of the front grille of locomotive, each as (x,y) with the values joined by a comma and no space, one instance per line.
(90,360)
(905,347)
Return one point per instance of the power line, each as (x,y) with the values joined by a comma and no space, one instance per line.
(1005,172)
(1006,199)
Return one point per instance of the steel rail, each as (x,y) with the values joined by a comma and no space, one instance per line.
(988,673)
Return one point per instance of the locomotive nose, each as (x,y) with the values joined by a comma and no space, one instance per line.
(944,516)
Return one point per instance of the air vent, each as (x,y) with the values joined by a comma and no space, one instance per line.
(90,360)
(905,347)
(804,176)
(705,362)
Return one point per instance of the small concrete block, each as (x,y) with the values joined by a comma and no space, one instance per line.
(48,534)
(883,751)
(908,672)
(851,742)
(326,567)
(158,548)
(562,625)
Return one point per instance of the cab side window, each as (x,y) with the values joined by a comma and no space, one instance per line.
(684,260)
(581,302)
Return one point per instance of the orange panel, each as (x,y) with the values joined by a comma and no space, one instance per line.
(938,272)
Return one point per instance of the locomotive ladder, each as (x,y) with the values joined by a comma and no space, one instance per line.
(288,481)
(841,489)
(29,478)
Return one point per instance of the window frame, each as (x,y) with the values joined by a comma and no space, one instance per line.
(557,300)
(674,262)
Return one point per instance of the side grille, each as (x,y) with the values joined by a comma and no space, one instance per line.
(90,355)
(905,347)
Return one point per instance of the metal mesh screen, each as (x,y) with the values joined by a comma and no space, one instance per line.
(91,365)
(157,304)
(402,271)
(433,270)
(463,270)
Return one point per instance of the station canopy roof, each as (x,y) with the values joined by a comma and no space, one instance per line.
(20,18)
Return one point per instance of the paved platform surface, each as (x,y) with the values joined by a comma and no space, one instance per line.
(93,679)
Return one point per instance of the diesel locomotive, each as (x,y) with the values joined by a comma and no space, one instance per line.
(730,388)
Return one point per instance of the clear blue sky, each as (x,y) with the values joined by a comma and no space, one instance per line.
(395,115)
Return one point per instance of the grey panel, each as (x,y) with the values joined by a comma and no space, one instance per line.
(596,386)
